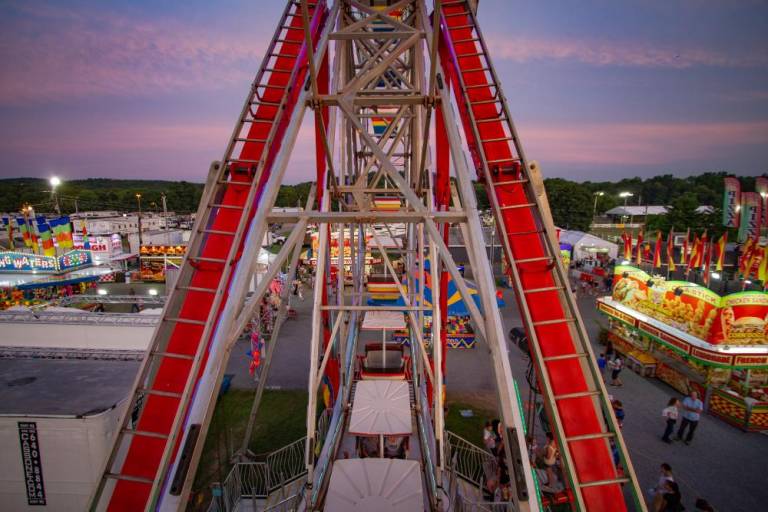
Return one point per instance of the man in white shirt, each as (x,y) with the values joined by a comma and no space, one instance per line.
(692,408)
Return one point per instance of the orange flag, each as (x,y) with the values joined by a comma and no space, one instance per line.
(721,251)
(657,251)
(671,251)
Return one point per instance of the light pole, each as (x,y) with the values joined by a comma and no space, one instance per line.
(55,182)
(138,199)
(626,196)
(594,209)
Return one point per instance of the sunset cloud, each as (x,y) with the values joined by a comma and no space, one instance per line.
(49,54)
(616,53)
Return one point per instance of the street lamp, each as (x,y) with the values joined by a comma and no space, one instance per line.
(138,199)
(626,195)
(594,210)
(55,182)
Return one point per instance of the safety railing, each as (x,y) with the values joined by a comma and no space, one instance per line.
(286,464)
(246,480)
(468,461)
(79,317)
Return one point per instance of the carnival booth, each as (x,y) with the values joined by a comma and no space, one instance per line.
(339,258)
(694,339)
(156,260)
(459,329)
(586,246)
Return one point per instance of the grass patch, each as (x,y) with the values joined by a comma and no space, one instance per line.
(280,421)
(470,428)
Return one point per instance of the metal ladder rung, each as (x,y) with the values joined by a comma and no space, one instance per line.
(516,206)
(499,160)
(288,27)
(474,70)
(580,394)
(459,27)
(491,119)
(173,355)
(288,41)
(532,260)
(275,70)
(242,161)
(453,2)
(545,289)
(267,103)
(185,321)
(270,86)
(611,481)
(454,14)
(217,232)
(227,206)
(474,54)
(145,433)
(467,40)
(129,478)
(498,139)
(169,394)
(510,182)
(552,322)
(564,357)
(259,120)
(523,233)
(586,437)
(198,289)
(478,86)
(236,183)
(485,102)
(246,139)
(205,259)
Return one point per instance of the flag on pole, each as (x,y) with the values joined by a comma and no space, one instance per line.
(762,270)
(693,259)
(704,250)
(8,223)
(627,238)
(684,252)
(638,255)
(23,228)
(754,258)
(707,262)
(721,252)
(45,238)
(751,215)
(657,250)
(66,233)
(761,187)
(671,251)
(86,243)
(745,257)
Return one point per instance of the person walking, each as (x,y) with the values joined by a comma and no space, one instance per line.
(670,413)
(692,408)
(618,410)
(616,366)
(671,498)
(489,437)
(601,364)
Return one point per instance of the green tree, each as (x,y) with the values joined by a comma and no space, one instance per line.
(571,203)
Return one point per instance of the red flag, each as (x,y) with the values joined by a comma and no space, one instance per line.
(745,256)
(721,252)
(755,253)
(693,260)
(657,251)
(671,251)
(627,238)
(638,255)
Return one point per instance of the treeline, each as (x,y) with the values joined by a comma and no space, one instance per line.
(572,203)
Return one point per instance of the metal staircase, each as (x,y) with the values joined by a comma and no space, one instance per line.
(571,384)
(140,467)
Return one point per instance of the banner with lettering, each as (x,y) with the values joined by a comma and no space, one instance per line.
(731,201)
(761,187)
(751,206)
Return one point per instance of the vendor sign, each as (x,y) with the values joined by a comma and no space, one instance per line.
(743,319)
(74,259)
(22,262)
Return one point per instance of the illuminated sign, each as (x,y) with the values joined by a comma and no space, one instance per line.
(750,361)
(21,262)
(617,314)
(664,336)
(712,357)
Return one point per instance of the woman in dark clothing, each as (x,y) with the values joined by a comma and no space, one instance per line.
(672,498)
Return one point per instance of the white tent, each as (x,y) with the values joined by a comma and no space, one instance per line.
(375,485)
(586,245)
(381,407)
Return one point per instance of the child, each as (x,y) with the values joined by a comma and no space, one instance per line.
(618,410)
(616,366)
(601,364)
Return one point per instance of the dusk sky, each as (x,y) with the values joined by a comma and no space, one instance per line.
(599,90)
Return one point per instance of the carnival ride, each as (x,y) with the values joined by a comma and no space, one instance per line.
(375,74)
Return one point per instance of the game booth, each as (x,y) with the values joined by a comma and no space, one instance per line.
(30,279)
(459,329)
(694,339)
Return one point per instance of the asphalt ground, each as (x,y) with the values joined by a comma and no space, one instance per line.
(722,464)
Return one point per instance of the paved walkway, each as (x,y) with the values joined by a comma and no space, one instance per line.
(723,464)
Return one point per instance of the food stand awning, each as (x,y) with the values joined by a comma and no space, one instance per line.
(389,320)
(375,485)
(585,245)
(31,281)
(381,407)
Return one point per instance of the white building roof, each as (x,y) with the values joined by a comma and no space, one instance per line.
(381,407)
(375,485)
(650,210)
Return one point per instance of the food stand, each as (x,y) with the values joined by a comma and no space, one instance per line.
(694,339)
(156,260)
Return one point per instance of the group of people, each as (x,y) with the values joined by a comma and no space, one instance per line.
(497,482)
(690,409)
(666,495)
(611,361)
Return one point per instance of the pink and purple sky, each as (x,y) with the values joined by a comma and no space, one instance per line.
(599,89)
